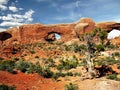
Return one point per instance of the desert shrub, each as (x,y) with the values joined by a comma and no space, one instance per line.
(38,68)
(102,35)
(7,66)
(32,52)
(118,67)
(67,64)
(6,87)
(107,61)
(67,48)
(69,74)
(46,72)
(100,47)
(71,86)
(60,74)
(37,57)
(77,74)
(111,46)
(14,52)
(31,68)
(113,77)
(57,75)
(1,58)
(116,54)
(76,48)
(83,62)
(60,67)
(24,66)
(50,62)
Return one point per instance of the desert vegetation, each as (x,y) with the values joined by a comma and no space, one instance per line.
(91,57)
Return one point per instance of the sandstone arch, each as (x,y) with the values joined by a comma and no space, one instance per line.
(51,36)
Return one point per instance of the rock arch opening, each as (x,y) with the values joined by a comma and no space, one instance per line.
(114,33)
(53,36)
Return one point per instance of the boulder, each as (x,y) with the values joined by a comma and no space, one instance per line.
(116,41)
(85,25)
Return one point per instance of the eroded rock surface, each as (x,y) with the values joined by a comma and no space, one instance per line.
(31,33)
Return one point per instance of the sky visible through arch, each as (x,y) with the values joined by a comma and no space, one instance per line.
(17,12)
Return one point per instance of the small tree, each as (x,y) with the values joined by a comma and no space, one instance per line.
(71,86)
(102,35)
(89,59)
(92,73)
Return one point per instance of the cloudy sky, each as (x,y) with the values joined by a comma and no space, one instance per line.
(17,12)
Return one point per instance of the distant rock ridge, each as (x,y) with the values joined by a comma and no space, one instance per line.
(31,33)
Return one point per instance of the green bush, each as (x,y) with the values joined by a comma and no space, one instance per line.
(100,47)
(24,66)
(77,74)
(1,58)
(111,46)
(37,57)
(68,64)
(60,67)
(32,52)
(119,67)
(50,62)
(116,54)
(113,77)
(67,48)
(46,72)
(107,61)
(69,74)
(71,86)
(38,68)
(6,87)
(57,75)
(83,62)
(7,66)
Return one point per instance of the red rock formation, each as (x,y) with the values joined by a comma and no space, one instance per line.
(116,41)
(35,32)
(84,25)
(31,33)
(108,25)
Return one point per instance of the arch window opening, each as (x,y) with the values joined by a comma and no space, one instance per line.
(114,33)
(57,36)
(52,36)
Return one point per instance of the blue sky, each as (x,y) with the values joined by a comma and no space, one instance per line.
(17,12)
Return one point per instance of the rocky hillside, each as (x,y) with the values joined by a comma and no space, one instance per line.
(32,58)
(31,33)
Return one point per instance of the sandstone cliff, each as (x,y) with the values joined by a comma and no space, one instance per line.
(31,33)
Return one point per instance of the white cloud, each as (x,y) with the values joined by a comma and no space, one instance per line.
(2,29)
(3,1)
(13,24)
(20,8)
(114,33)
(13,8)
(3,7)
(28,14)
(14,20)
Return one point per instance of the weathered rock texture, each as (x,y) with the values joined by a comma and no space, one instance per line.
(31,33)
(108,25)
